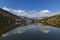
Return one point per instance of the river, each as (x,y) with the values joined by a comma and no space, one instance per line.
(33,32)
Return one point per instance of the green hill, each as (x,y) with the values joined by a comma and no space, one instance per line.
(53,20)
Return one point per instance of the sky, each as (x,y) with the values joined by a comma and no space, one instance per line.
(31,7)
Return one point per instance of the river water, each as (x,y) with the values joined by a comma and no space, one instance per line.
(33,32)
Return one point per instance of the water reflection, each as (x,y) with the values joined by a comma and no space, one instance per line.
(33,32)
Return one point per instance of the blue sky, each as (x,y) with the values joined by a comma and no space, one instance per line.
(52,5)
(31,8)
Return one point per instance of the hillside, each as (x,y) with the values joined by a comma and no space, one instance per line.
(53,20)
(8,21)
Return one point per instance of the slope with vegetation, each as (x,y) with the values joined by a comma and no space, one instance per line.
(53,20)
(8,21)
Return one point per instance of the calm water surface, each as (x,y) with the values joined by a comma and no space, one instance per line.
(33,32)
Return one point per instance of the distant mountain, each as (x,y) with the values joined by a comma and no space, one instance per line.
(53,20)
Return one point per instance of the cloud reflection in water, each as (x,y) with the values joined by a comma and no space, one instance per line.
(32,27)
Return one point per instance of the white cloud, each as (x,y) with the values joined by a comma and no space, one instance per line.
(5,8)
(44,13)
(31,14)
(20,12)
